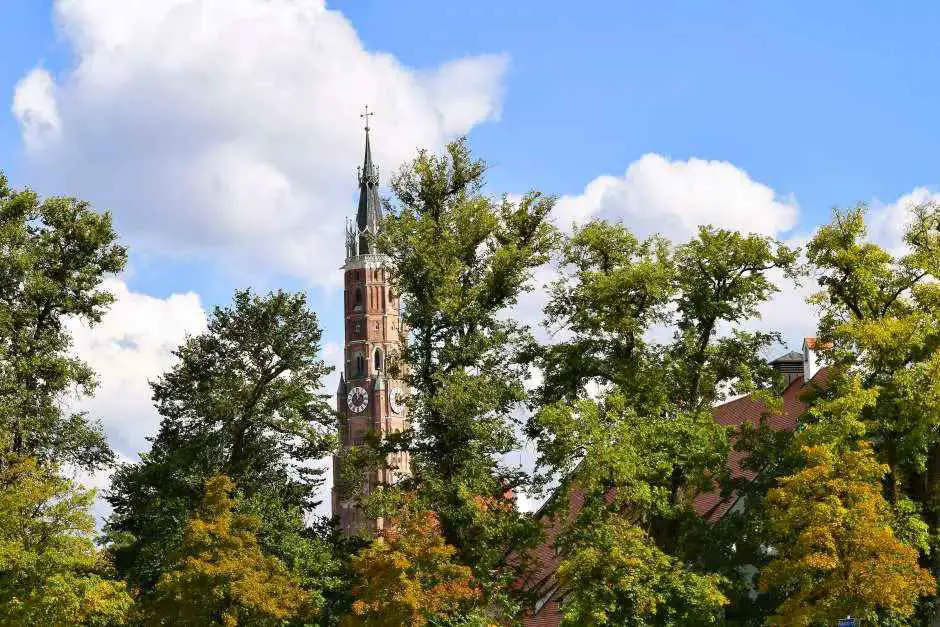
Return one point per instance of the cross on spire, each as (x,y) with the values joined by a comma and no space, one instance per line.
(366,116)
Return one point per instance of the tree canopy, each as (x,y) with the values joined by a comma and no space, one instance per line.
(245,400)
(408,575)
(51,573)
(219,575)
(642,446)
(56,252)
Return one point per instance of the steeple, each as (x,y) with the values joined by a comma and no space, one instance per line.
(369,214)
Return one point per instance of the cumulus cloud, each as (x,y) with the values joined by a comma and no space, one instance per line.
(131,346)
(229,128)
(34,106)
(658,195)
(886,222)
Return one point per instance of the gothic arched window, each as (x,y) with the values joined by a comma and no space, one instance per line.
(378,360)
(358,298)
(360,365)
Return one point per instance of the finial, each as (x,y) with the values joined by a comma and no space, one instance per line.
(366,117)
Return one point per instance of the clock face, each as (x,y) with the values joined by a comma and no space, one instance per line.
(358,400)
(396,400)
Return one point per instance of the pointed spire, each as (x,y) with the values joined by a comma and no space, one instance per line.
(369,214)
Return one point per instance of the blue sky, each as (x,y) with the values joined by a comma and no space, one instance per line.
(808,105)
(832,102)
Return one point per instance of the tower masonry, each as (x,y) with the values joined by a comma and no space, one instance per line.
(367,398)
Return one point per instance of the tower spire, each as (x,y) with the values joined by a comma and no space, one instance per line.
(369,214)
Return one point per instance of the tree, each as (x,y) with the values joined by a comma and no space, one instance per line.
(408,575)
(836,553)
(622,464)
(881,323)
(616,575)
(220,575)
(56,253)
(50,571)
(460,259)
(243,400)
(645,444)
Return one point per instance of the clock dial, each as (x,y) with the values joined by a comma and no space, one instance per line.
(357,400)
(396,400)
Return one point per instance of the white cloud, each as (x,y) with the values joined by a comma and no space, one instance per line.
(787,311)
(132,345)
(34,106)
(886,222)
(230,128)
(657,195)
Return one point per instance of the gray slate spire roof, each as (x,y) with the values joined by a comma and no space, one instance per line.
(364,229)
(369,214)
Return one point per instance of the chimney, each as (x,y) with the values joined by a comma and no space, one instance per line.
(810,366)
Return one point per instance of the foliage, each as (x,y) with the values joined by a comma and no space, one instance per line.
(459,260)
(408,574)
(50,571)
(880,329)
(55,254)
(614,289)
(836,552)
(616,575)
(645,444)
(242,400)
(220,575)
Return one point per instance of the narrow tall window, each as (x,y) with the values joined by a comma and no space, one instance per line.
(359,365)
(378,360)
(358,300)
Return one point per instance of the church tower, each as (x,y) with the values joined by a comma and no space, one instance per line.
(367,398)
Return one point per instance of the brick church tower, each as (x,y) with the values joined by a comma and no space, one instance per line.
(367,399)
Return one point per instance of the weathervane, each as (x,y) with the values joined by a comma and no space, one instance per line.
(366,116)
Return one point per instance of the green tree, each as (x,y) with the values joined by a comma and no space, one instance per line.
(646,444)
(56,252)
(460,259)
(881,321)
(50,571)
(243,400)
(219,574)
(633,583)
